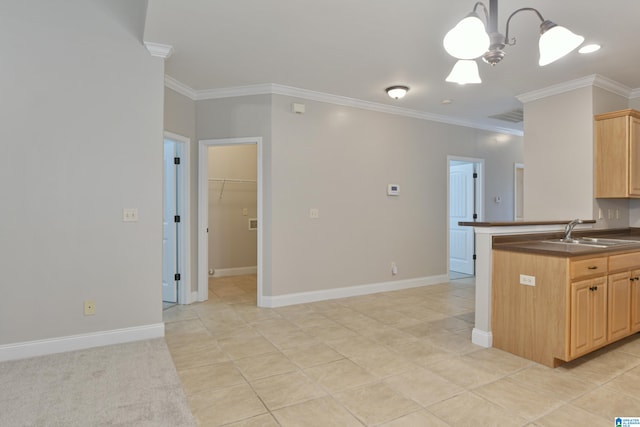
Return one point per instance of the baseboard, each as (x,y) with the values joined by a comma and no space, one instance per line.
(23,350)
(238,271)
(350,291)
(482,338)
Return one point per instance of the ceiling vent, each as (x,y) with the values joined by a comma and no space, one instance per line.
(513,116)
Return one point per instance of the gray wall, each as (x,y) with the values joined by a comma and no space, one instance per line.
(340,160)
(180,118)
(82,138)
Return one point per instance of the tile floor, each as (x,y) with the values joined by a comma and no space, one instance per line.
(400,358)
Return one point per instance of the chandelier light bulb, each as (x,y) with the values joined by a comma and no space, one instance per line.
(556,42)
(468,39)
(465,72)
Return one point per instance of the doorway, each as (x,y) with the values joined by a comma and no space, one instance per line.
(175,219)
(465,186)
(253,223)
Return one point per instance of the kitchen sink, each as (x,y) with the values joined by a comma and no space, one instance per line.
(594,242)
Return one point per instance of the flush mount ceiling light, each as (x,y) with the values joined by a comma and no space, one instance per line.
(469,40)
(397,92)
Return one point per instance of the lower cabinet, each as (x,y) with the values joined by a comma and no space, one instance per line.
(588,315)
(619,306)
(635,301)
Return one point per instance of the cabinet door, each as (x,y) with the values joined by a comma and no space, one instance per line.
(588,315)
(635,301)
(634,156)
(619,305)
(612,158)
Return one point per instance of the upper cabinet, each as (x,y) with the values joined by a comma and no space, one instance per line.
(617,154)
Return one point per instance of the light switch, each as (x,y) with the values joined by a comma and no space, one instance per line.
(245,211)
(314,213)
(130,214)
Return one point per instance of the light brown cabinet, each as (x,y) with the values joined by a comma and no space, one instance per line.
(617,155)
(635,301)
(576,306)
(588,316)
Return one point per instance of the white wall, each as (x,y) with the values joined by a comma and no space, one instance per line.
(558,153)
(82,130)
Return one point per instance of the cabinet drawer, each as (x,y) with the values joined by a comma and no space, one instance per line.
(588,267)
(624,261)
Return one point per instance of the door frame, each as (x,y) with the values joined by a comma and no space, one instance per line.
(479,194)
(203,211)
(183,239)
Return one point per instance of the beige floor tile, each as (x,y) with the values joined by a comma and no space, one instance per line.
(239,347)
(556,383)
(464,373)
(569,415)
(340,375)
(179,312)
(471,410)
(608,403)
(215,376)
(630,345)
(286,389)
(264,365)
(376,403)
(423,387)
(312,355)
(323,412)
(184,327)
(493,359)
(384,363)
(628,383)
(421,418)
(454,342)
(264,420)
(217,407)
(356,346)
(391,337)
(195,354)
(290,339)
(422,353)
(602,366)
(330,332)
(513,396)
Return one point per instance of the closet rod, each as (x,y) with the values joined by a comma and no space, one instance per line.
(233,180)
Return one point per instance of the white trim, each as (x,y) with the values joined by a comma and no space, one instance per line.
(159,50)
(184,226)
(351,291)
(237,271)
(22,350)
(277,89)
(588,81)
(180,87)
(203,209)
(194,297)
(482,338)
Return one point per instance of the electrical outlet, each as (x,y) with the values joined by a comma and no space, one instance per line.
(130,215)
(89,308)
(314,213)
(527,280)
(394,268)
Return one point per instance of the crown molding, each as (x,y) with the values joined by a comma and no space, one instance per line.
(277,89)
(163,51)
(588,81)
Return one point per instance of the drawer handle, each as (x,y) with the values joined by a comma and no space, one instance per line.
(593,267)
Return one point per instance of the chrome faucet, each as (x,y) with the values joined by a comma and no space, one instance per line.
(569,228)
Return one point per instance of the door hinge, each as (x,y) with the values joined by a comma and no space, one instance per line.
(475,216)
(176,160)
(176,277)
(475,175)
(474,257)
(176,218)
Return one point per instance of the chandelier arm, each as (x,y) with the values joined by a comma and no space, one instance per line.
(530,9)
(484,8)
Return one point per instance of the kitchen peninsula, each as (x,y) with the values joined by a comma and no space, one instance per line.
(553,302)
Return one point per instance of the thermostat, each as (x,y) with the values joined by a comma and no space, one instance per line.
(393,190)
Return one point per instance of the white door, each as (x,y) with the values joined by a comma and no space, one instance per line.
(461,208)
(169,226)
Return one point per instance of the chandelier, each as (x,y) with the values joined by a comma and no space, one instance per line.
(469,40)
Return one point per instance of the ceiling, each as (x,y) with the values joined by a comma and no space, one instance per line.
(357,48)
